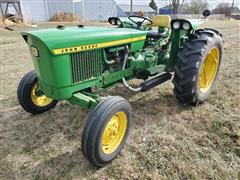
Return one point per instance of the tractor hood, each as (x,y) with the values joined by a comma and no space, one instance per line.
(63,40)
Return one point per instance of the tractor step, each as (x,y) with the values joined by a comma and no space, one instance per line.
(149,84)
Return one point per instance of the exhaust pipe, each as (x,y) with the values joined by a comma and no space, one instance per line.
(149,84)
(146,85)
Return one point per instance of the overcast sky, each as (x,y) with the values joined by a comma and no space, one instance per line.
(212,3)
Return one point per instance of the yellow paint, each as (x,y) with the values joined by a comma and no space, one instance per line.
(96,46)
(161,21)
(40,101)
(209,70)
(114,132)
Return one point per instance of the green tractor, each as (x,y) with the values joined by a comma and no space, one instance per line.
(77,63)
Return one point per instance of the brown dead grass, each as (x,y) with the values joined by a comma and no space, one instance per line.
(167,140)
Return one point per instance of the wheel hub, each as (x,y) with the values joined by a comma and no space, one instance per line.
(114,132)
(209,70)
(38,98)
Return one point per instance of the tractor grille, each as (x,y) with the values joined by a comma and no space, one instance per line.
(86,65)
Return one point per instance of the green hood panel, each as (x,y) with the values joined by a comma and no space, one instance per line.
(75,39)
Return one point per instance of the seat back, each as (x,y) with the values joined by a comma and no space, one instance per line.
(161,21)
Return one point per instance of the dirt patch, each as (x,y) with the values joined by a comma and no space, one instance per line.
(167,140)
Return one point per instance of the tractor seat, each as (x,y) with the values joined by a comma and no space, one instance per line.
(160,21)
(155,35)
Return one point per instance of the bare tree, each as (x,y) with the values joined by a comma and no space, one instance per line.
(176,5)
(196,6)
(223,8)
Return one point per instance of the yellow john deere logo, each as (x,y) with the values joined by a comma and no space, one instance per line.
(95,46)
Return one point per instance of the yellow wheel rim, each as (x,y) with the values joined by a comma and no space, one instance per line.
(39,100)
(209,70)
(114,132)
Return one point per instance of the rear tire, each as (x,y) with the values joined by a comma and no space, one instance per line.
(106,130)
(28,100)
(196,66)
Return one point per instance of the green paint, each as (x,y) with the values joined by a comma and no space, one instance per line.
(71,75)
(85,100)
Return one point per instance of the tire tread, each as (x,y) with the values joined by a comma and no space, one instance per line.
(189,60)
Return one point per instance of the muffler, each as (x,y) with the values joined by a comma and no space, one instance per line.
(151,83)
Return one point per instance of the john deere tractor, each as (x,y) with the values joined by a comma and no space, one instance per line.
(77,63)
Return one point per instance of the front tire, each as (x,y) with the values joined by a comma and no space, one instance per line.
(198,65)
(31,98)
(106,130)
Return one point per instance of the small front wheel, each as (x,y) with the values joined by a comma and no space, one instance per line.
(106,130)
(31,98)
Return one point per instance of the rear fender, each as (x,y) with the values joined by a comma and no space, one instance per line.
(196,23)
(178,36)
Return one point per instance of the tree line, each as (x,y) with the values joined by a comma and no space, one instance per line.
(195,7)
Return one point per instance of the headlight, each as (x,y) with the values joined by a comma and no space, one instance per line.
(176,25)
(113,22)
(34,51)
(119,22)
(186,26)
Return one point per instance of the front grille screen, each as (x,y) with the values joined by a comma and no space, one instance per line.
(86,65)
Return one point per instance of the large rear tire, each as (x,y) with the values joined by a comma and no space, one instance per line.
(31,98)
(198,65)
(106,130)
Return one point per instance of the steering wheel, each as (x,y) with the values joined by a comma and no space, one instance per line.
(139,23)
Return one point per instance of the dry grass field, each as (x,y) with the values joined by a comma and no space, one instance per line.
(167,140)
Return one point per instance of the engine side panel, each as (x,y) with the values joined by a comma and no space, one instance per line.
(63,74)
